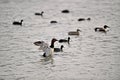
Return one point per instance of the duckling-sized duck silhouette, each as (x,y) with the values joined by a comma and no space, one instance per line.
(65,40)
(48,50)
(83,19)
(59,49)
(65,11)
(18,23)
(39,14)
(74,32)
(104,29)
(53,22)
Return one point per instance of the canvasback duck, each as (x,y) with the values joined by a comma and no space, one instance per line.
(44,46)
(39,14)
(74,32)
(18,23)
(59,49)
(104,29)
(65,40)
(65,11)
(53,21)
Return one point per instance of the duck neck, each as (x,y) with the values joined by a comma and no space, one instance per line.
(52,44)
(21,22)
(68,40)
(61,48)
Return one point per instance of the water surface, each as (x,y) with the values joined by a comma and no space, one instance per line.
(90,56)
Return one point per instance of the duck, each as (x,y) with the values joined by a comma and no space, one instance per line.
(100,29)
(65,40)
(59,49)
(53,21)
(74,32)
(83,19)
(45,47)
(18,23)
(65,11)
(39,14)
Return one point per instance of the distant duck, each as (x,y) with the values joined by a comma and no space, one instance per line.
(53,21)
(39,14)
(18,23)
(59,49)
(65,40)
(65,11)
(74,32)
(104,29)
(83,19)
(45,47)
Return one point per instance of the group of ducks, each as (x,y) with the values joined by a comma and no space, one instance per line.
(53,21)
(48,50)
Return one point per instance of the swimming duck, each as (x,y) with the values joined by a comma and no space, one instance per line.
(59,49)
(53,21)
(83,19)
(74,32)
(18,23)
(104,29)
(65,11)
(64,40)
(44,46)
(39,14)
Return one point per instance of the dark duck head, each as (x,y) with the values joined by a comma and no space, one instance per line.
(52,42)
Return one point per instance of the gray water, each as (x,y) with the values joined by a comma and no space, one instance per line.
(90,56)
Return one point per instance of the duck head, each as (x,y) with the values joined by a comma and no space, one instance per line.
(22,20)
(62,47)
(78,30)
(52,42)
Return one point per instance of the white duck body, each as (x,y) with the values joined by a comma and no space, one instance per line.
(44,47)
(48,50)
